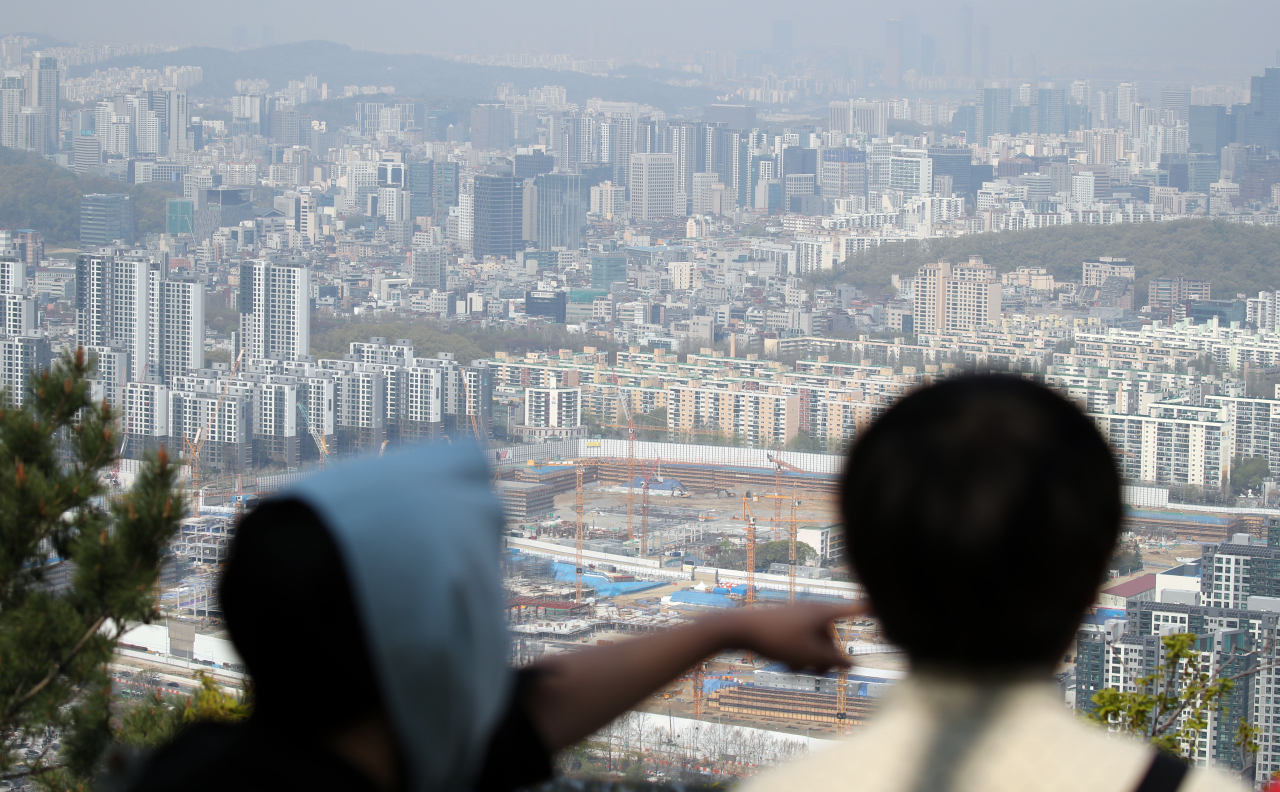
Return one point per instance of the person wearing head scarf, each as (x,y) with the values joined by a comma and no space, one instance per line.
(367,605)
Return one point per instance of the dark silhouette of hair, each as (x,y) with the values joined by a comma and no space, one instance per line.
(289,606)
(981,514)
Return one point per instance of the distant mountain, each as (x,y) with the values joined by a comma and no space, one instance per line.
(419,76)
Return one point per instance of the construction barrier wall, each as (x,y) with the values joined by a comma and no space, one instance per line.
(724,456)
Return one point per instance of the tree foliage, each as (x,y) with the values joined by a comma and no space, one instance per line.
(55,642)
(1127,558)
(780,553)
(1234,257)
(1171,705)
(41,195)
(1247,474)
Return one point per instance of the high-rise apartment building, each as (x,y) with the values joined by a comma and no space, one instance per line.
(275,310)
(42,93)
(653,186)
(1164,293)
(491,127)
(952,297)
(125,301)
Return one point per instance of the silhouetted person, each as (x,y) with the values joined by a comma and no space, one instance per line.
(367,606)
(981,514)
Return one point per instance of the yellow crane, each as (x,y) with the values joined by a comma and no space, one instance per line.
(194,446)
(321,445)
(625,402)
(749,518)
(577,534)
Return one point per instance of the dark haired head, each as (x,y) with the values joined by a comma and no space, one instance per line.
(287,599)
(981,513)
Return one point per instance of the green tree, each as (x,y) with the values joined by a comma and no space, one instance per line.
(1247,474)
(1127,558)
(55,644)
(780,553)
(1171,704)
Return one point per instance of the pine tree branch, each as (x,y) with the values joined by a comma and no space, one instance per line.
(16,703)
(30,772)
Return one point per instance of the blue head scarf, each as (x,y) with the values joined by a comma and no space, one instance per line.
(419,532)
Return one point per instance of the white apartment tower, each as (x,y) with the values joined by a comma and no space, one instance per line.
(126,303)
(653,186)
(275,310)
(951,297)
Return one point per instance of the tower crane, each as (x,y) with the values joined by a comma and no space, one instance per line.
(466,394)
(321,445)
(750,518)
(644,507)
(631,454)
(196,445)
(577,534)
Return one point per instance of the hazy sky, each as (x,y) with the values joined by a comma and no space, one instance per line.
(1175,37)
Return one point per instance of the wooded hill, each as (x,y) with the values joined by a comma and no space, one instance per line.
(36,193)
(1235,258)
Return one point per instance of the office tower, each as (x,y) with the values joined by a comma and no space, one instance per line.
(951,297)
(607,270)
(528,166)
(561,210)
(911,172)
(893,67)
(444,185)
(984,52)
(419,180)
(653,186)
(1126,97)
(1164,293)
(13,275)
(86,152)
(1176,98)
(965,122)
(844,173)
(1051,115)
(966,33)
(928,55)
(1210,128)
(429,267)
(175,326)
(491,127)
(1259,124)
(179,216)
(497,219)
(275,310)
(797,160)
(105,219)
(43,92)
(177,120)
(993,113)
(11,100)
(782,36)
(31,130)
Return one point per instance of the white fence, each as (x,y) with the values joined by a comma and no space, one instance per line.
(724,456)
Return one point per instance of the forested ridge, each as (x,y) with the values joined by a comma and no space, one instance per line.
(36,193)
(1235,258)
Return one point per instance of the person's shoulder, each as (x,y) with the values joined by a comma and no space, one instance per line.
(830,768)
(1201,779)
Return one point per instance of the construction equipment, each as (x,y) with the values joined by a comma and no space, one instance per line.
(750,518)
(321,445)
(792,522)
(631,454)
(842,686)
(194,446)
(644,507)
(699,682)
(577,535)
(466,394)
(382,449)
(786,465)
(777,503)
